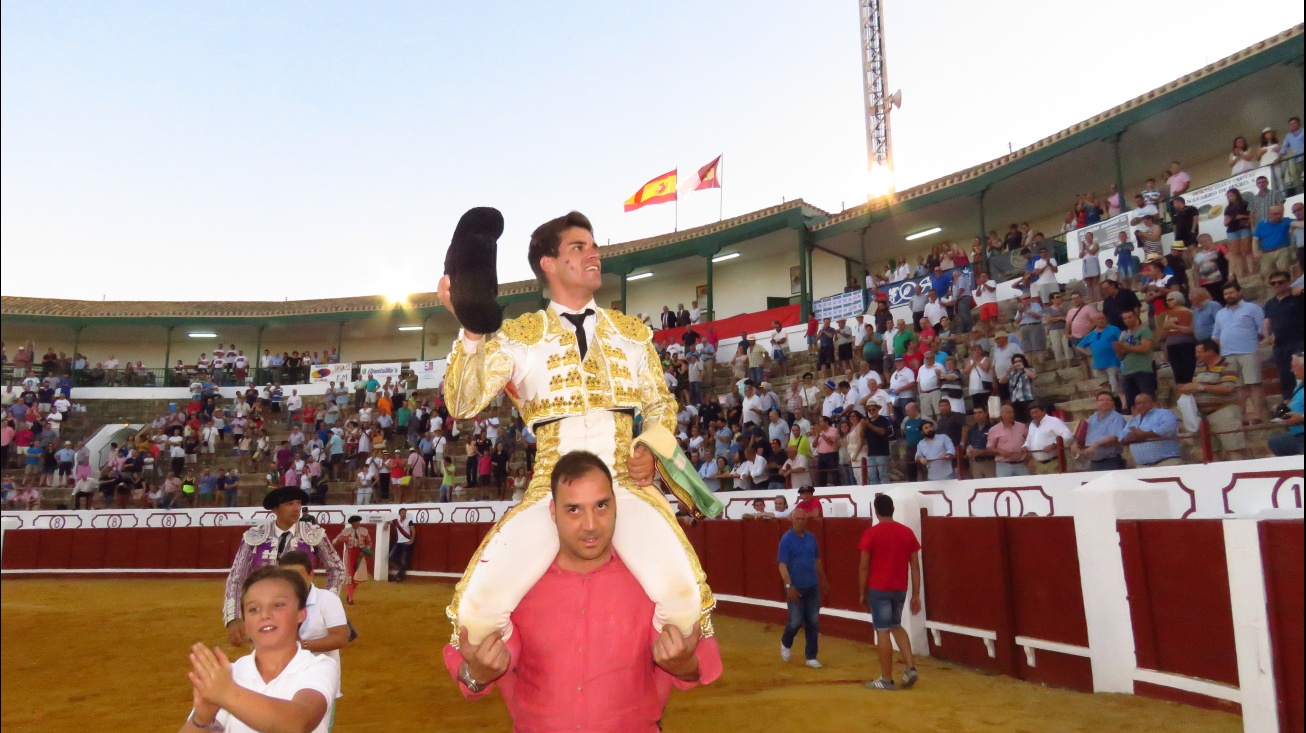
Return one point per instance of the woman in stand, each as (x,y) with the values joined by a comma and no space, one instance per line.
(1269,147)
(1020,381)
(1238,234)
(979,375)
(355,543)
(1241,158)
(1211,266)
(1176,326)
(1088,253)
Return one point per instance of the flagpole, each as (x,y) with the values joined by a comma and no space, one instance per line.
(677,221)
(721,189)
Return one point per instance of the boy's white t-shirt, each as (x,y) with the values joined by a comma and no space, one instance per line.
(325,611)
(306,671)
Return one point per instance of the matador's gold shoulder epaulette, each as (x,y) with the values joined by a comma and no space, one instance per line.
(525,329)
(630,327)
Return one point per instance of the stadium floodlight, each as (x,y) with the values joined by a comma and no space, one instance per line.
(723,258)
(640,276)
(926,233)
(411,328)
(202,335)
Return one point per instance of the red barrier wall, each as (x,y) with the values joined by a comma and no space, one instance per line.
(1178,583)
(1282,555)
(1047,599)
(967,584)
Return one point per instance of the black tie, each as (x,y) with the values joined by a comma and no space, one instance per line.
(281,544)
(578,320)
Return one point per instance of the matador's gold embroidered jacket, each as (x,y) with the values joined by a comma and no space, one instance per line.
(536,360)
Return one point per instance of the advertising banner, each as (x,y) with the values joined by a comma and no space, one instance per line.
(379,372)
(429,373)
(1211,200)
(1106,233)
(900,293)
(324,373)
(842,305)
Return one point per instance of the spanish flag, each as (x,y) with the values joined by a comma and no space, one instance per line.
(657,191)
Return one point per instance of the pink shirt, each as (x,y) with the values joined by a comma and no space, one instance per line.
(1080,321)
(582,656)
(827,441)
(1178,182)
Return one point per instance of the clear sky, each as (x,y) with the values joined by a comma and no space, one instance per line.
(251,150)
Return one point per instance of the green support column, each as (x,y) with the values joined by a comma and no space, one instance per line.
(423,333)
(805,306)
(708,310)
(340,342)
(623,293)
(258,354)
(983,231)
(167,354)
(1120,173)
(811,272)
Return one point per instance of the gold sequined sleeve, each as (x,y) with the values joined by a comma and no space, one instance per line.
(475,375)
(656,403)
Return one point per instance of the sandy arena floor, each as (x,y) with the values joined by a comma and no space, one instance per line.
(110,655)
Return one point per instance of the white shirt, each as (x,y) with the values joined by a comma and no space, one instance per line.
(888,340)
(1041,441)
(833,401)
(294,402)
(800,476)
(751,473)
(676,349)
(927,379)
(882,398)
(1045,274)
(811,395)
(900,379)
(779,340)
(754,412)
(986,293)
(695,314)
(935,311)
(306,671)
(591,323)
(408,527)
(1139,214)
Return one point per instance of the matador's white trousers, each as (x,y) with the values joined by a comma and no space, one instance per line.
(520,548)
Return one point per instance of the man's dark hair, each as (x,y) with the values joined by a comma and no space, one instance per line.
(1278,273)
(1233,285)
(1209,345)
(844,383)
(575,465)
(547,237)
(296,559)
(275,572)
(883,505)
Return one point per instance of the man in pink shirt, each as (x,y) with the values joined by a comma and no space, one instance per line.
(582,654)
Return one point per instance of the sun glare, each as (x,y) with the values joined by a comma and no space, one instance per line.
(879,181)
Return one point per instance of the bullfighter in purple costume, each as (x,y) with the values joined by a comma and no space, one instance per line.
(264,544)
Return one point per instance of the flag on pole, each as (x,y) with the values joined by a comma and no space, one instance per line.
(705,178)
(657,191)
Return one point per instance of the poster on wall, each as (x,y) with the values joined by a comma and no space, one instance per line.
(324,373)
(1211,200)
(380,372)
(842,305)
(429,373)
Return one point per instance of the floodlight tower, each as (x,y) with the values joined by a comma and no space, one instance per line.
(879,139)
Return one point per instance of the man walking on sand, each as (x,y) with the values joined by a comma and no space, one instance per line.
(889,551)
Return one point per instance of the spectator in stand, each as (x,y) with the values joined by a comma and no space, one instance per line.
(917,303)
(1175,325)
(1006,442)
(1054,320)
(1100,443)
(889,554)
(1238,234)
(1238,328)
(1029,317)
(1004,349)
(825,355)
(1269,147)
(1184,220)
(1211,267)
(935,311)
(1241,158)
(1125,259)
(878,432)
(975,439)
(1045,274)
(912,431)
(1149,434)
(1291,442)
(1019,385)
(1134,348)
(844,345)
(682,316)
(1119,300)
(1041,439)
(1215,387)
(1284,327)
(1273,240)
(937,453)
(986,298)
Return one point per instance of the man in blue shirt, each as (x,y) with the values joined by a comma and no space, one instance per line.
(1290,152)
(940,281)
(804,579)
(1102,441)
(1238,330)
(1293,442)
(1274,241)
(1204,312)
(1146,434)
(1099,345)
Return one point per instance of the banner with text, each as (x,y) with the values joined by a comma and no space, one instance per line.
(429,373)
(900,293)
(325,373)
(842,305)
(380,372)
(1105,233)
(1211,200)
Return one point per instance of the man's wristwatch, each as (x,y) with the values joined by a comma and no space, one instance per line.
(465,677)
(788,586)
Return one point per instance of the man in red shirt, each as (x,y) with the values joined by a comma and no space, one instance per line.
(582,654)
(889,550)
(808,502)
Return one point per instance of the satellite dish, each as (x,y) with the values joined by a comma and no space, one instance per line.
(896,99)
